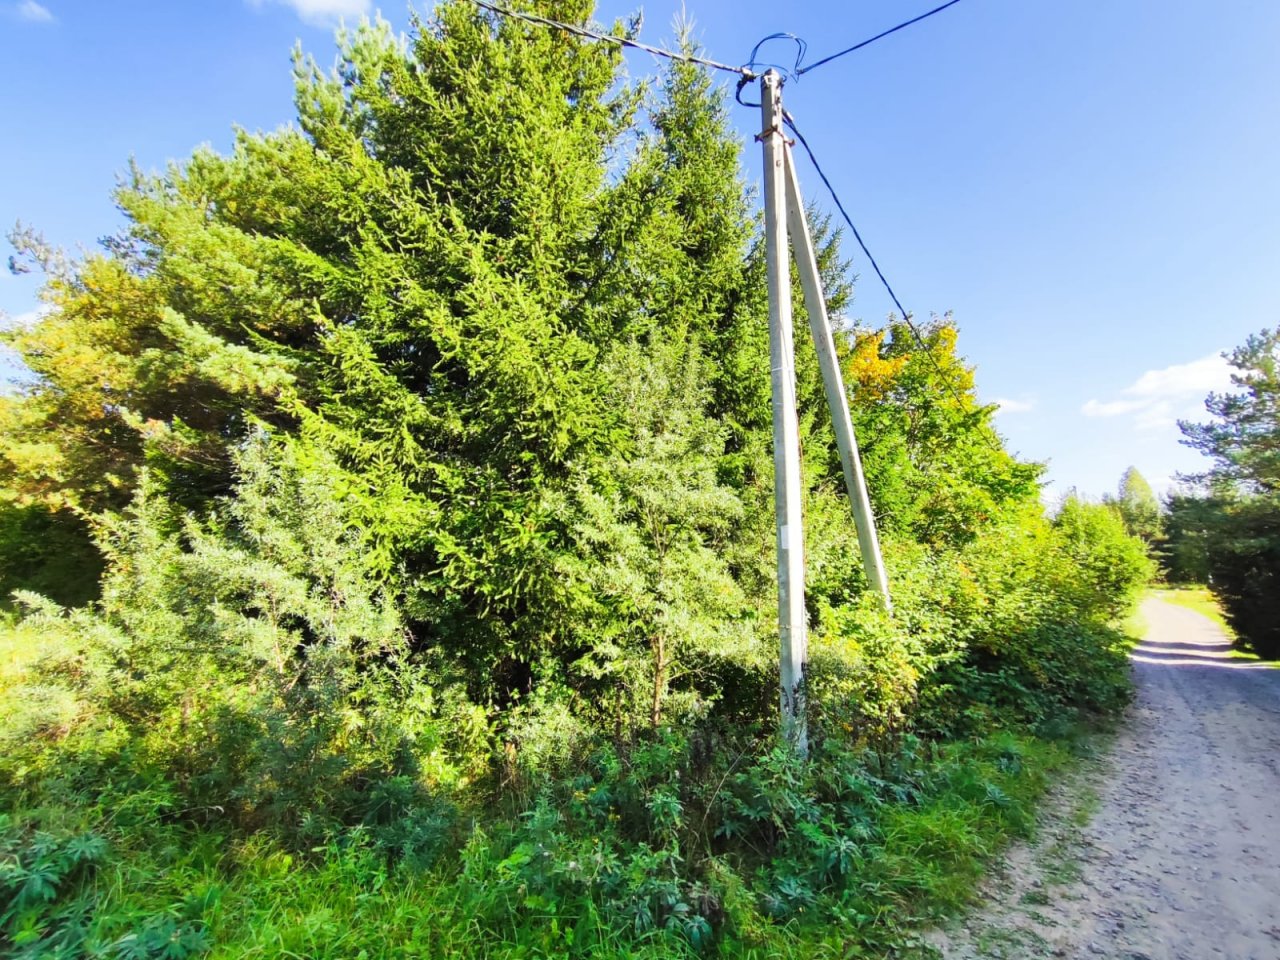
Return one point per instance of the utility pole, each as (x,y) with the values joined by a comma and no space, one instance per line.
(815,305)
(783,214)
(787,492)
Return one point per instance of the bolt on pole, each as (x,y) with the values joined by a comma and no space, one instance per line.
(788,494)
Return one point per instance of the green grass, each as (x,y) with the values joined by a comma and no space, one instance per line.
(246,896)
(177,883)
(1134,626)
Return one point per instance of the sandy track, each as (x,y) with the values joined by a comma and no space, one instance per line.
(1180,859)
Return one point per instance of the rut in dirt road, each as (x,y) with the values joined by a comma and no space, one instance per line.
(1181,860)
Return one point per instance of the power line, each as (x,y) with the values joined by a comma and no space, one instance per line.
(747,74)
(610,38)
(906,317)
(745,71)
(878,36)
(791,124)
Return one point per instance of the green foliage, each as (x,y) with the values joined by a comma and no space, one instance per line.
(42,876)
(651,529)
(50,902)
(663,851)
(427,446)
(1228,532)
(1138,507)
(248,661)
(48,552)
(1243,439)
(1110,566)
(938,471)
(1184,551)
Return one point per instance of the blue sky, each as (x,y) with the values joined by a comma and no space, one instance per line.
(1092,188)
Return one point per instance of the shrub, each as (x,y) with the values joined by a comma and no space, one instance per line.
(251,660)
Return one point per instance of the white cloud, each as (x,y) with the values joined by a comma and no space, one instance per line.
(32,12)
(323,12)
(1008,405)
(1159,398)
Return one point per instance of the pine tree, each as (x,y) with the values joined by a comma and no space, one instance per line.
(1243,438)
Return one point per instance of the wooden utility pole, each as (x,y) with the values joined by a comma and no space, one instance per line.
(784,213)
(787,492)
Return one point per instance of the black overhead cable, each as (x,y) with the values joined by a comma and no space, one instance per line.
(906,317)
(791,125)
(610,38)
(858,46)
(747,73)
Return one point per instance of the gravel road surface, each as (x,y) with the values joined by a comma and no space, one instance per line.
(1169,849)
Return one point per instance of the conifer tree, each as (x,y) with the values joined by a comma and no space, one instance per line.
(1138,507)
(437,287)
(512,307)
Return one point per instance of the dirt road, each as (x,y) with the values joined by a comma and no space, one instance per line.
(1177,856)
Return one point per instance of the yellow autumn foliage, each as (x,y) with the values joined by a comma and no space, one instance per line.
(870,373)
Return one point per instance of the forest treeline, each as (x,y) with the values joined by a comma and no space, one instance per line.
(390,511)
(1222,527)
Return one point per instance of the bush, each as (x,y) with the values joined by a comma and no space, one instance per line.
(1108,567)
(251,662)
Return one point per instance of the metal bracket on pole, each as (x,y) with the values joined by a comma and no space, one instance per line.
(833,381)
(788,494)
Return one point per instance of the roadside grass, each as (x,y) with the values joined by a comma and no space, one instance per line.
(1203,602)
(1011,924)
(163,882)
(1134,626)
(201,891)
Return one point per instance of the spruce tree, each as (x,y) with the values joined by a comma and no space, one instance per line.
(517,303)
(436,286)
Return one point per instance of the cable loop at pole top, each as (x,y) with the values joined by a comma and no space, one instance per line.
(754,64)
